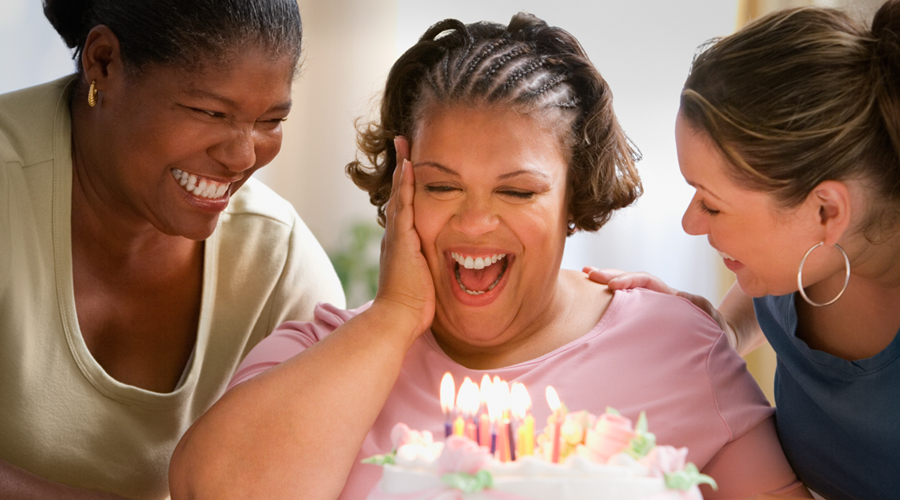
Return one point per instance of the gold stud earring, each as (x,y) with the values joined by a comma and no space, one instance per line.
(92,94)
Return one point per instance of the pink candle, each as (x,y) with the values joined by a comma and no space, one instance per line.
(555,419)
(484,430)
(471,430)
(503,441)
(554,457)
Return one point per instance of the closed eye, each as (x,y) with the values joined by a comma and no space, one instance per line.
(705,208)
(208,113)
(442,191)
(522,195)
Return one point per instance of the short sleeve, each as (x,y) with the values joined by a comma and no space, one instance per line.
(290,339)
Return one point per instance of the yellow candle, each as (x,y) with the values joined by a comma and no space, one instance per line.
(459,427)
(525,444)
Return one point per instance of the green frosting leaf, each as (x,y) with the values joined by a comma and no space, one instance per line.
(690,476)
(612,411)
(469,483)
(387,458)
(643,440)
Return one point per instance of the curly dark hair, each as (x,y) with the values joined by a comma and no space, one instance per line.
(528,65)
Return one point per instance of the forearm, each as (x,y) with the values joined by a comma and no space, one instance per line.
(297,428)
(737,308)
(19,484)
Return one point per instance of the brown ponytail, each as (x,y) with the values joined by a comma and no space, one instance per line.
(802,96)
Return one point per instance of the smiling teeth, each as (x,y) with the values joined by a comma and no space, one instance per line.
(725,255)
(476,263)
(200,186)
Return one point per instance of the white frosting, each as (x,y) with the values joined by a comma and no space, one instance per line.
(527,478)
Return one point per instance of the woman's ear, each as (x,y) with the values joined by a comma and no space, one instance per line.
(101,59)
(835,208)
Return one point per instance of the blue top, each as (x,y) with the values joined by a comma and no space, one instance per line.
(838,420)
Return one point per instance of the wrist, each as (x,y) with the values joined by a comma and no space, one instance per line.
(404,317)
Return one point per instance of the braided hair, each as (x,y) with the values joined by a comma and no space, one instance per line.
(528,66)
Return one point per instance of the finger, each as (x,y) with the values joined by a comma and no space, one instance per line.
(601,276)
(391,208)
(640,280)
(401,145)
(405,219)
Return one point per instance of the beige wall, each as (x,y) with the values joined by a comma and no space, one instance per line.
(349,46)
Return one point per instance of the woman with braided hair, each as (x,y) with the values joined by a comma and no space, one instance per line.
(494,143)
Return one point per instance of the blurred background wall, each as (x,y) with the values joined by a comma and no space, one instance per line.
(642,47)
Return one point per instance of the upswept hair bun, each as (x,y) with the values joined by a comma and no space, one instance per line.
(802,96)
(180,32)
(70,19)
(528,66)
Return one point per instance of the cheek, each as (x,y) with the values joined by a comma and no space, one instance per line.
(429,220)
(267,147)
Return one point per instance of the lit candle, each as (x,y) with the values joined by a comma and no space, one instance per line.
(448,389)
(504,433)
(556,420)
(521,403)
(467,401)
(495,411)
(484,421)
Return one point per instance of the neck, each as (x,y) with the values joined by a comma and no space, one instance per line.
(573,308)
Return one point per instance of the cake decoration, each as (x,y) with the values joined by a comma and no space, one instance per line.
(578,456)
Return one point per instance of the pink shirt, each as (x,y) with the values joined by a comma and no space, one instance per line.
(652,352)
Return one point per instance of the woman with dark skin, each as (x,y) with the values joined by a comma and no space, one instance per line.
(789,132)
(139,263)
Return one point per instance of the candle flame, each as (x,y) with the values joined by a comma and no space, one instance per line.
(485,389)
(468,398)
(448,389)
(553,398)
(521,400)
(502,395)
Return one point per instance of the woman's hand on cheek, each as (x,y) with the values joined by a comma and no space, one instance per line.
(405,286)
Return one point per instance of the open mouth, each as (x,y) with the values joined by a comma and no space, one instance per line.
(200,186)
(479,275)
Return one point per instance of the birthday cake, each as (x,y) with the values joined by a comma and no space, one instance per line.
(577,457)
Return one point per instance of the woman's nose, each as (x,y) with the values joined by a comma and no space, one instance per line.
(694,222)
(476,216)
(238,151)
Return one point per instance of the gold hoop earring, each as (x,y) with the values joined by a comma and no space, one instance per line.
(92,94)
(800,276)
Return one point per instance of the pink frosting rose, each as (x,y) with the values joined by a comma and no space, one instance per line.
(610,436)
(461,454)
(665,459)
(401,435)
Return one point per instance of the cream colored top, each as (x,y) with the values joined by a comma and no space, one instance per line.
(61,415)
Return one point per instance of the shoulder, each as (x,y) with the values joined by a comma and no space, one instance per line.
(27,119)
(677,335)
(664,312)
(262,242)
(255,199)
(260,224)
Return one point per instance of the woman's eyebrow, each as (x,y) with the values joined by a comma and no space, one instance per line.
(508,175)
(433,164)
